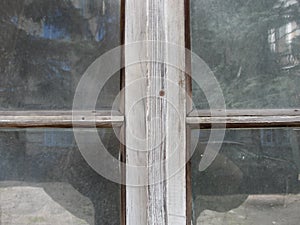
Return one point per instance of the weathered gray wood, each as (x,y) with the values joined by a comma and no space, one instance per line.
(246,118)
(24,119)
(176,126)
(244,121)
(247,112)
(235,118)
(152,119)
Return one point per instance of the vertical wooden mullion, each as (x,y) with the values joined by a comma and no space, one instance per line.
(162,203)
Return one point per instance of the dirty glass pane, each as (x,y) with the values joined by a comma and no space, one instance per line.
(45,180)
(253,48)
(253,180)
(46,46)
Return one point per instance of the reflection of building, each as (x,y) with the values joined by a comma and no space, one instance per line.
(281,40)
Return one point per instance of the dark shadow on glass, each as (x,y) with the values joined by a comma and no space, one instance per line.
(255,171)
(48,159)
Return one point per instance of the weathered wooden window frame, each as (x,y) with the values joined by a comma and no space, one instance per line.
(195,119)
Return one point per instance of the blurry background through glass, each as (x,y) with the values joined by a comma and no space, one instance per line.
(46,45)
(45,180)
(253,48)
(253,180)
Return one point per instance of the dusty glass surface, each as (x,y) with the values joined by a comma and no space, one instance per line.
(47,45)
(253,180)
(253,49)
(45,180)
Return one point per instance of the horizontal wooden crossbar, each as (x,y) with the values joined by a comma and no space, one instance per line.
(60,119)
(196,119)
(244,118)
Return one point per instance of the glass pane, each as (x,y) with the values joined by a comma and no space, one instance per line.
(253,180)
(45,180)
(253,49)
(47,45)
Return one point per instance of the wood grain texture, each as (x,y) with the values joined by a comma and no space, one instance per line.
(153,119)
(245,118)
(246,112)
(176,185)
(64,119)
